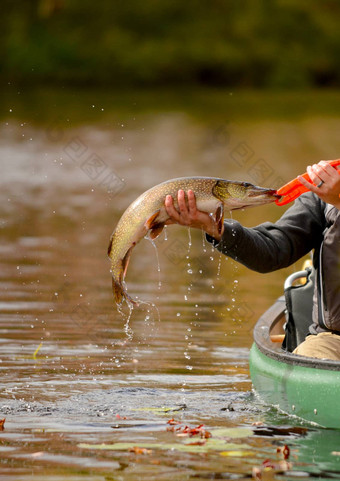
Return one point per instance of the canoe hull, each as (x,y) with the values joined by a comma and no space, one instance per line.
(301,386)
(307,392)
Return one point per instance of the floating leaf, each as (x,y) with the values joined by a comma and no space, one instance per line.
(217,440)
(138,450)
(269,469)
(173,422)
(236,454)
(118,416)
(197,443)
(284,451)
(232,433)
(37,350)
(162,410)
(210,445)
(2,424)
(184,431)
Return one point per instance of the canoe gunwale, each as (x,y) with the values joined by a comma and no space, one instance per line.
(262,340)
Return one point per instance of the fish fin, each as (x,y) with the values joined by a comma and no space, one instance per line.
(156,231)
(125,261)
(120,293)
(118,289)
(219,216)
(110,247)
(153,226)
(151,221)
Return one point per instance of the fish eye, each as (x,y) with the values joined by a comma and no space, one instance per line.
(247,184)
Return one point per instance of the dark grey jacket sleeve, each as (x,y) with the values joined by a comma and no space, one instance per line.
(271,246)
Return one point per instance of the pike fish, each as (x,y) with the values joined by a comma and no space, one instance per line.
(147,216)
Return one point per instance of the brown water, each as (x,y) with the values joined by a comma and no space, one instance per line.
(81,386)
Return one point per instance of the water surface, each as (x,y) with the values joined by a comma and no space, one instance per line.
(87,395)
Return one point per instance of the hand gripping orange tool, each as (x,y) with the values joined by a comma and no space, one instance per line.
(294,188)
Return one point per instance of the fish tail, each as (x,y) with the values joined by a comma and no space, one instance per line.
(118,271)
(120,294)
(118,291)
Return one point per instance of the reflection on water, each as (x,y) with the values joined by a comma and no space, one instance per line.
(74,376)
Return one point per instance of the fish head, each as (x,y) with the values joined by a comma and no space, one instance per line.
(238,195)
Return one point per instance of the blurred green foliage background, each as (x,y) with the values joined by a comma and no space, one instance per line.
(240,43)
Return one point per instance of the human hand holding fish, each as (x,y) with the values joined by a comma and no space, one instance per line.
(188,215)
(148,214)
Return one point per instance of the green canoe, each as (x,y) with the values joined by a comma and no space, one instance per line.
(301,386)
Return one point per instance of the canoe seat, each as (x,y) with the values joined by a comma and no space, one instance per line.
(299,306)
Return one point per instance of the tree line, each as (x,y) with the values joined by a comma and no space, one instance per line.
(237,43)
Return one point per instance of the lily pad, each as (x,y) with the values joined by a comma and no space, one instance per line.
(162,410)
(237,454)
(210,445)
(232,433)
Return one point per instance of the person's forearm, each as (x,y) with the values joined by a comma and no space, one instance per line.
(257,248)
(269,246)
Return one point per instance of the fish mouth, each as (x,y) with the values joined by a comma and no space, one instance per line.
(268,192)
